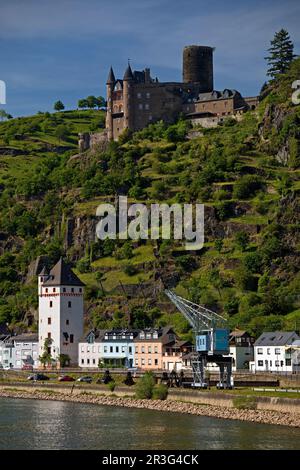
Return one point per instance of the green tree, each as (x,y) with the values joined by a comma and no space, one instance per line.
(242,240)
(82,104)
(281,54)
(3,114)
(100,102)
(62,132)
(46,358)
(92,101)
(58,106)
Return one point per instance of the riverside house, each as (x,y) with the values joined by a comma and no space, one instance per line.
(107,348)
(19,351)
(273,352)
(7,352)
(241,349)
(26,347)
(159,348)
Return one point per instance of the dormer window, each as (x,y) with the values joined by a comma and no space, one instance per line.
(148,335)
(155,335)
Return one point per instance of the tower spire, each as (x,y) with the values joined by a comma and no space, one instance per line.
(128,75)
(111,77)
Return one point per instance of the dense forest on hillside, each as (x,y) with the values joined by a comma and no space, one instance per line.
(246,173)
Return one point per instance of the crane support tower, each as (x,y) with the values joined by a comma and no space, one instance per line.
(211,341)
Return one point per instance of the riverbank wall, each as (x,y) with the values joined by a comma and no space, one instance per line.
(177,402)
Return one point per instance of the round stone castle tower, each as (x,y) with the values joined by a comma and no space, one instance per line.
(198,67)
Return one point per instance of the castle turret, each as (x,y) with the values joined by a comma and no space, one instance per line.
(198,67)
(127,97)
(109,91)
(42,277)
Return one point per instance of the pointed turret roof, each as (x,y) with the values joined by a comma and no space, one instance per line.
(111,77)
(62,275)
(44,271)
(128,75)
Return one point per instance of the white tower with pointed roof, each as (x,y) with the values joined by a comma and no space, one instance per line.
(60,311)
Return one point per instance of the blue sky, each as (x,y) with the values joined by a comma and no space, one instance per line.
(62,49)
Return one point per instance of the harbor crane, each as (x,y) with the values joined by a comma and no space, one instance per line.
(211,341)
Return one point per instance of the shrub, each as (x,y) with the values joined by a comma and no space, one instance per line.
(130,270)
(247,186)
(160,392)
(83,265)
(112,385)
(242,240)
(224,210)
(145,386)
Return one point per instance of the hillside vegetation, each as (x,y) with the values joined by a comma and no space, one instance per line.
(246,173)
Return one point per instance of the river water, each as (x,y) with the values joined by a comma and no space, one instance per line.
(37,424)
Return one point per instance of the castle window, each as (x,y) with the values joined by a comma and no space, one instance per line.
(146,106)
(150,118)
(54,289)
(71,338)
(50,304)
(67,322)
(49,335)
(49,320)
(139,95)
(140,106)
(72,289)
(80,289)
(46,289)
(64,289)
(148,95)
(69,304)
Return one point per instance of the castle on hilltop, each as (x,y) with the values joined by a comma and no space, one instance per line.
(138,100)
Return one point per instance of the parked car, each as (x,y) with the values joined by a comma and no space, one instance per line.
(66,378)
(27,367)
(85,379)
(38,377)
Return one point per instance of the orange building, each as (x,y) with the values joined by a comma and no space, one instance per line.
(159,348)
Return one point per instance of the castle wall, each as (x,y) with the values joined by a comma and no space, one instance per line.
(220,107)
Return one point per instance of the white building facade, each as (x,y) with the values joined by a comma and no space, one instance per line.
(273,352)
(107,348)
(60,312)
(7,353)
(26,351)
